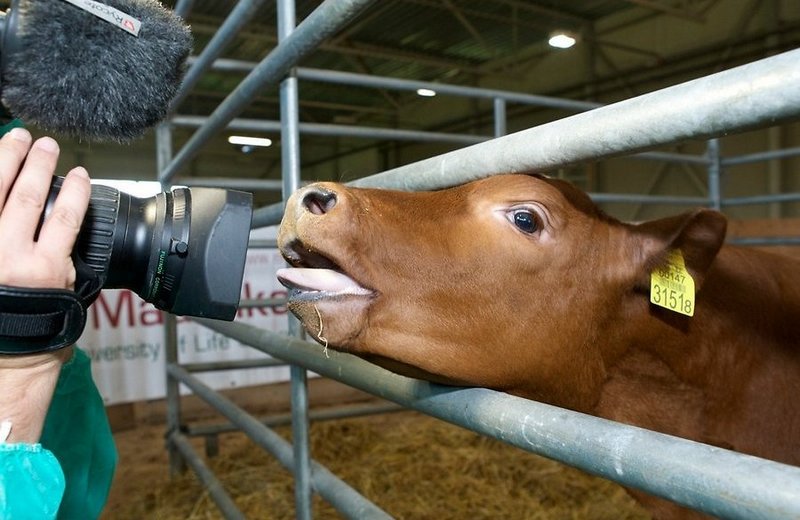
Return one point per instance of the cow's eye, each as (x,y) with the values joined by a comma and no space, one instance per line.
(526,221)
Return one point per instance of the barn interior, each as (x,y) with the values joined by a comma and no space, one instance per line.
(623,49)
(352,126)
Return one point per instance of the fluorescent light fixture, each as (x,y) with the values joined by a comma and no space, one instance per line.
(249,141)
(426,92)
(561,40)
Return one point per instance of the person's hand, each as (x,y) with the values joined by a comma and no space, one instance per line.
(26,170)
(46,262)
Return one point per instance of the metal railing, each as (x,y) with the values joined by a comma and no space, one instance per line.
(709,479)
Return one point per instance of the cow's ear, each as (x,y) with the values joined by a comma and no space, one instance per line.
(698,235)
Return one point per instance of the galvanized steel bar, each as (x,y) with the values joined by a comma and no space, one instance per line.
(238,17)
(713,480)
(369,132)
(761,156)
(327,414)
(183,8)
(366,80)
(290,166)
(262,244)
(761,199)
(341,496)
(324,21)
(330,130)
(170,330)
(267,216)
(173,397)
(233,184)
(215,488)
(729,101)
(500,124)
(714,173)
(649,199)
(238,364)
(266,302)
(765,241)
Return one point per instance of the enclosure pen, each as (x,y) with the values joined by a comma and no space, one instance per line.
(706,478)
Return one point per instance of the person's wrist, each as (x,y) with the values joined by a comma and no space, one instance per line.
(27,384)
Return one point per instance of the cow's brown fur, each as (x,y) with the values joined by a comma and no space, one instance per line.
(462,296)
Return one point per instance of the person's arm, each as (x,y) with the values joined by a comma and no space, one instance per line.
(26,169)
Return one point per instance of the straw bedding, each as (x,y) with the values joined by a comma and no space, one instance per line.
(413,466)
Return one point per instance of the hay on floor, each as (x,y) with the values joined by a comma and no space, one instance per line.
(413,466)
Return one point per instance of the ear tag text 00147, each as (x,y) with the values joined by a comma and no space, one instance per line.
(671,285)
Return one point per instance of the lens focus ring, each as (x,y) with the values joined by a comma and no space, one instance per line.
(96,239)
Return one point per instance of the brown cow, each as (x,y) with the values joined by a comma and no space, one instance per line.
(521,284)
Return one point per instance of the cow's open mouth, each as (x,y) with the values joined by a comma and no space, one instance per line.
(315,277)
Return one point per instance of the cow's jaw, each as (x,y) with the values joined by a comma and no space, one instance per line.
(330,303)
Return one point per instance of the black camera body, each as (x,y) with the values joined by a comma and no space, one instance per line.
(183,250)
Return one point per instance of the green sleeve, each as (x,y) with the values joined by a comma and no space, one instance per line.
(76,430)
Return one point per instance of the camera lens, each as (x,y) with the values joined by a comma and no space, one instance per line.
(183,251)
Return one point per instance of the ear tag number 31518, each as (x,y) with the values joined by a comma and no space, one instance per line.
(671,285)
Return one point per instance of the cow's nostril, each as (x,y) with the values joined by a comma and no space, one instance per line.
(319,201)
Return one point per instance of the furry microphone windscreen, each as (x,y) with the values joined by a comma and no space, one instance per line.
(75,74)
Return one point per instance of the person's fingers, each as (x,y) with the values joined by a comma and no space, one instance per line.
(60,230)
(13,147)
(25,203)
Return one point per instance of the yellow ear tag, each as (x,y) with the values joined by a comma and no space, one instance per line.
(672,287)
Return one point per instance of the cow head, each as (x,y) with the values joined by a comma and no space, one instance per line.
(514,282)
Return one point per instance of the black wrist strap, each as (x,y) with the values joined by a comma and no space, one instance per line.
(39,320)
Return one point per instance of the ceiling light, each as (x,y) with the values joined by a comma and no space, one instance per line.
(561,40)
(426,92)
(249,141)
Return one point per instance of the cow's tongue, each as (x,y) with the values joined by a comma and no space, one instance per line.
(322,280)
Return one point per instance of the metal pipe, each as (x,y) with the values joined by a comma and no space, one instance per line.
(765,241)
(672,157)
(331,130)
(649,199)
(266,302)
(714,173)
(761,156)
(234,184)
(238,18)
(290,164)
(500,124)
(210,482)
(183,8)
(267,216)
(239,364)
(761,199)
(713,480)
(366,80)
(325,20)
(700,108)
(368,132)
(301,442)
(262,244)
(177,464)
(341,496)
(344,412)
(170,330)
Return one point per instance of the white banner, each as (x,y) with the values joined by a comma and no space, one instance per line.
(124,337)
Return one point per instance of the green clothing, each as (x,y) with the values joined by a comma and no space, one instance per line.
(76,430)
(68,474)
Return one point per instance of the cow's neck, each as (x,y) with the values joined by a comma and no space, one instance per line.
(725,373)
